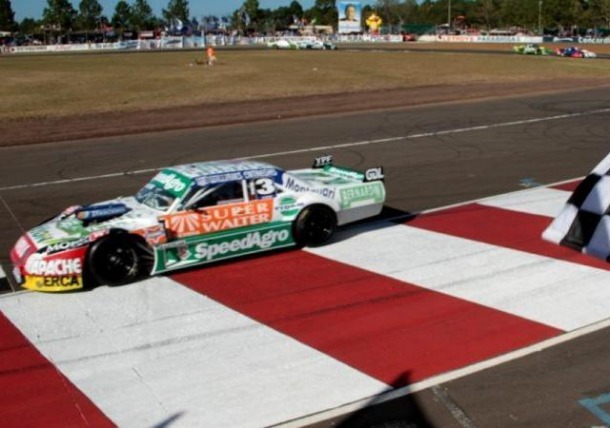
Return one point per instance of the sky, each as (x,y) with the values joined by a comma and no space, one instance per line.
(198,8)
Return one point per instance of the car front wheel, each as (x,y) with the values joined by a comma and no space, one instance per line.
(119,259)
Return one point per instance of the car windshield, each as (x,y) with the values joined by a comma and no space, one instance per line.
(155,197)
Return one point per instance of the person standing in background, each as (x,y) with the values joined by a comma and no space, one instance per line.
(211,53)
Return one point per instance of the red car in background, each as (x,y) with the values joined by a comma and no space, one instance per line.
(575,52)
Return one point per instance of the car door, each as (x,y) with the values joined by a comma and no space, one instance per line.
(228,220)
(230,205)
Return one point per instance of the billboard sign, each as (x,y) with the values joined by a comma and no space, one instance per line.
(350,14)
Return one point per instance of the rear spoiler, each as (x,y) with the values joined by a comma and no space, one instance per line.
(374,174)
(371,174)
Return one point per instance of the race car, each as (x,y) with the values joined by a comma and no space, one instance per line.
(282,44)
(194,214)
(531,49)
(575,52)
(316,44)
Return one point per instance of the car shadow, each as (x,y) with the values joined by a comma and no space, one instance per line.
(388,217)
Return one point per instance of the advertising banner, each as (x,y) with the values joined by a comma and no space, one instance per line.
(208,248)
(220,217)
(350,14)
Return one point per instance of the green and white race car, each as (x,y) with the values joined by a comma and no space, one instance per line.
(191,215)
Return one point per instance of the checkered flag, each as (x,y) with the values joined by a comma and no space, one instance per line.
(584,222)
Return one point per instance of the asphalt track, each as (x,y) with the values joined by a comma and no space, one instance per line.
(434,156)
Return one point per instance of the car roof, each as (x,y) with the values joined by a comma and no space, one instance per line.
(205,169)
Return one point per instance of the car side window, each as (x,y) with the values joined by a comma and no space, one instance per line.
(227,193)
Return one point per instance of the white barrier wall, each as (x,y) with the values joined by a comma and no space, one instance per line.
(592,40)
(480,39)
(510,39)
(194,42)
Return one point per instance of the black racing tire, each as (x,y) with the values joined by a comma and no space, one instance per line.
(314,226)
(119,259)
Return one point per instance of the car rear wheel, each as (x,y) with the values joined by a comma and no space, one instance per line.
(314,225)
(119,259)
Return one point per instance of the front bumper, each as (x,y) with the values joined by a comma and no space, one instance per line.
(41,271)
(52,283)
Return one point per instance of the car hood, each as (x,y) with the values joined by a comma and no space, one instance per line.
(79,222)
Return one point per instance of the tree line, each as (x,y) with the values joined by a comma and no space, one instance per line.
(61,16)
(137,15)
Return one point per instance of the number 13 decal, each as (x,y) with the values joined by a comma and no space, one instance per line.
(262,187)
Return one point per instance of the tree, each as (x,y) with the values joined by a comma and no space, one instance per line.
(247,16)
(121,20)
(142,17)
(323,12)
(7,16)
(391,11)
(601,10)
(562,13)
(251,12)
(252,8)
(89,15)
(265,21)
(434,12)
(29,26)
(519,13)
(411,12)
(487,13)
(282,18)
(176,10)
(59,15)
(295,9)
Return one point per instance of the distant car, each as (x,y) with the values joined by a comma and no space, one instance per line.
(316,44)
(575,52)
(191,215)
(531,49)
(282,44)
(409,37)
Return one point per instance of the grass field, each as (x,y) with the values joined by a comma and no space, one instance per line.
(67,85)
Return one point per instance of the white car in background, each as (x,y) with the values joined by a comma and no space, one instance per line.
(312,44)
(316,44)
(282,44)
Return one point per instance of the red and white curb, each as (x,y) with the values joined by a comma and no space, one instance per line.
(278,337)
